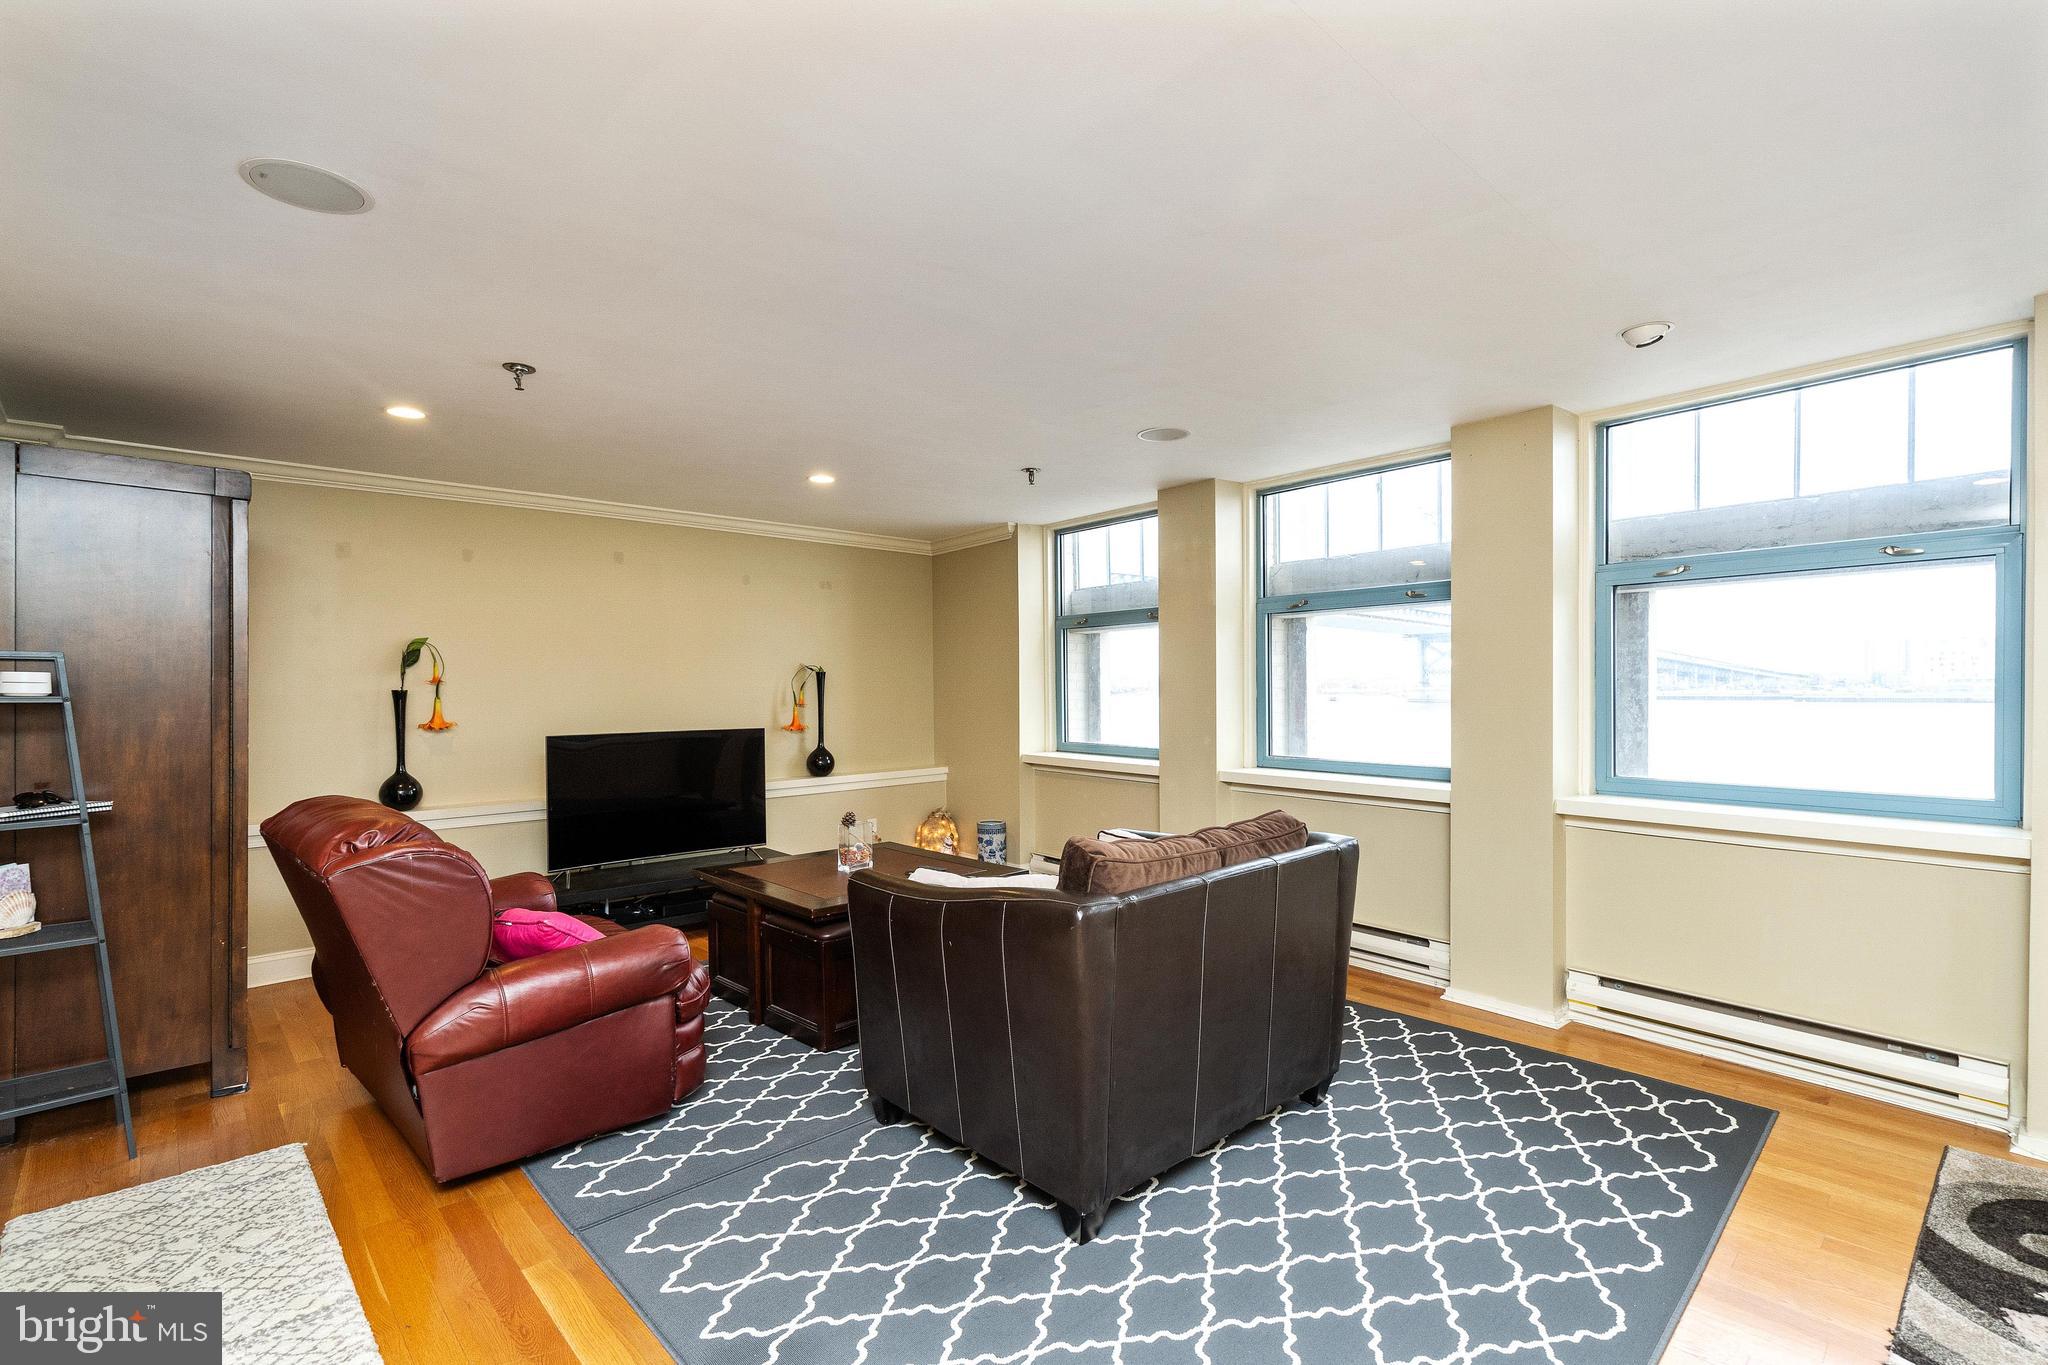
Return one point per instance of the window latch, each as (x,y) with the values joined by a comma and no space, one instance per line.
(1296,605)
(1415,592)
(1901,551)
(1082,622)
(1674,571)
(1152,615)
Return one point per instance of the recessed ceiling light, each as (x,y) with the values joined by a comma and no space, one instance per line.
(1645,334)
(405,410)
(1161,434)
(303,186)
(823,478)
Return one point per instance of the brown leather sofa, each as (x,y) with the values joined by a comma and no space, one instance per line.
(1087,1043)
(479,1063)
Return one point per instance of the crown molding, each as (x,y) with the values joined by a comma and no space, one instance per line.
(967,540)
(35,433)
(408,486)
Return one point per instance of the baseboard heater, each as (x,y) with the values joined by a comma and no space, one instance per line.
(1408,956)
(1944,1083)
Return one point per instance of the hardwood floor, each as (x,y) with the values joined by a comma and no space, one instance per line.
(1809,1271)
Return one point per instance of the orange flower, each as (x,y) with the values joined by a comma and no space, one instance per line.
(796,703)
(436,722)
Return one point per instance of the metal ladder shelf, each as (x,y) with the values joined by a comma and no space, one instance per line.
(39,1090)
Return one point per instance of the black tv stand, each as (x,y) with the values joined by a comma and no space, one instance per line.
(660,891)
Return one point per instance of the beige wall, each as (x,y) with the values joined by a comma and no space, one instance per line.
(552,624)
(975,627)
(1201,647)
(1928,948)
(2034,1077)
(1070,804)
(796,823)
(1404,854)
(1927,952)
(557,623)
(1515,590)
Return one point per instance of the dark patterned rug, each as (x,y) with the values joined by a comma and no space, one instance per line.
(1458,1199)
(1978,1294)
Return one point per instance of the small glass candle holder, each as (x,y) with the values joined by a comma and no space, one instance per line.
(855,852)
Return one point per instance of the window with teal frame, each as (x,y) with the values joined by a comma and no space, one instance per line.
(1811,597)
(1353,623)
(1106,629)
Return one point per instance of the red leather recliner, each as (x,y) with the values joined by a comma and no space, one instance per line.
(476,1063)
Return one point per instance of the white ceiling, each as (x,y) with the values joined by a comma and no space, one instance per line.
(923,244)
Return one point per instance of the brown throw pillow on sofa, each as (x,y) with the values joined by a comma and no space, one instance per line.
(1262,836)
(1091,867)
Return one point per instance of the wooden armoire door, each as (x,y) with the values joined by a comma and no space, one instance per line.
(137,571)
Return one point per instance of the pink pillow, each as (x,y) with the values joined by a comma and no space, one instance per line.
(529,933)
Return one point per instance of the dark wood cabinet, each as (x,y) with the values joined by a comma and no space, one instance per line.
(782,946)
(138,571)
(729,934)
(807,980)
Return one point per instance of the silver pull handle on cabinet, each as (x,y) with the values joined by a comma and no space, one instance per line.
(1674,571)
(1901,551)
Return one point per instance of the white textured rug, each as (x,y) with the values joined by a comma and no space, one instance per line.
(254,1229)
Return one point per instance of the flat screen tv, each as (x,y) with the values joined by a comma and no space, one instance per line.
(615,798)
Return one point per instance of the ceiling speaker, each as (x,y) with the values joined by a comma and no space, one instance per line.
(304,187)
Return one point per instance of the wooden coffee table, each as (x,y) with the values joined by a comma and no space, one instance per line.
(781,944)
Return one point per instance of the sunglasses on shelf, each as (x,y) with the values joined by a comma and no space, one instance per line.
(36,799)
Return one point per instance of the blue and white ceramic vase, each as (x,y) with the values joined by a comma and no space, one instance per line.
(992,841)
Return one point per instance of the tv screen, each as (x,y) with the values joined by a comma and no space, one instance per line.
(614,798)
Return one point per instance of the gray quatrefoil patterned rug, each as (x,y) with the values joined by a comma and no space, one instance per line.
(1458,1201)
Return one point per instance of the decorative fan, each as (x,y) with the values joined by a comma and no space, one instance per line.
(938,833)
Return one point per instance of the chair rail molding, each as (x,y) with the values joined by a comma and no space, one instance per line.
(440,818)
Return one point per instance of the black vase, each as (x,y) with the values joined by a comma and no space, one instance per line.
(401,790)
(820,762)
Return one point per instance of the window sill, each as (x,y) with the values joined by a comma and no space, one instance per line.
(1406,790)
(1921,836)
(1105,765)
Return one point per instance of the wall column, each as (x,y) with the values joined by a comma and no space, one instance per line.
(988,680)
(1201,649)
(1032,548)
(2030,1098)
(1514,707)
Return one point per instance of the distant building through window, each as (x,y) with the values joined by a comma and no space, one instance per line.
(1106,592)
(1354,623)
(1811,597)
